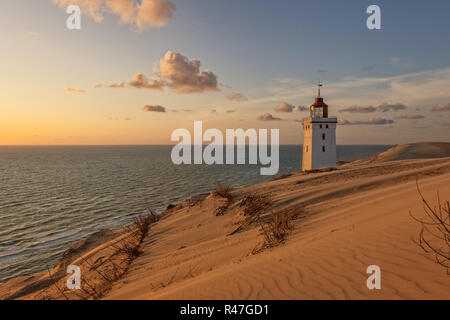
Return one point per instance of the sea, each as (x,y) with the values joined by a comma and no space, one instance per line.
(54,196)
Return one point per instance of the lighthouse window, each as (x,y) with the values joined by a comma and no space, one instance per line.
(323,148)
(306,148)
(326,126)
(323,136)
(320,126)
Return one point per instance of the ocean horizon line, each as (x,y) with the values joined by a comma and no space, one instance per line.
(169,145)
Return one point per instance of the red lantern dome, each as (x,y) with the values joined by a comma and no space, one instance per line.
(319,109)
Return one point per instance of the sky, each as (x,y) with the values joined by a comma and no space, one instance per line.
(138,70)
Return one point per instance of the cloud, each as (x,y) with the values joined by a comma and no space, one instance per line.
(140,81)
(267,117)
(154,13)
(359,109)
(155,108)
(187,110)
(178,73)
(394,60)
(410,117)
(367,68)
(32,34)
(384,107)
(394,107)
(412,89)
(441,107)
(215,111)
(116,85)
(447,124)
(284,107)
(97,86)
(73,90)
(184,76)
(127,118)
(236,96)
(302,108)
(400,62)
(373,121)
(140,14)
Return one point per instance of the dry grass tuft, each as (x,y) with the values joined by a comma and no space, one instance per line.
(434,236)
(142,224)
(326,169)
(277,228)
(222,209)
(128,248)
(138,231)
(283,176)
(97,277)
(252,207)
(224,190)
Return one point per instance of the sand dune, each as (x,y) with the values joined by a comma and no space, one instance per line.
(348,226)
(350,218)
(419,150)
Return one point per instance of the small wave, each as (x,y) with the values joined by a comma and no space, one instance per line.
(56,238)
(11,255)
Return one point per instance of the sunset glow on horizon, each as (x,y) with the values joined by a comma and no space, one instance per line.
(133,74)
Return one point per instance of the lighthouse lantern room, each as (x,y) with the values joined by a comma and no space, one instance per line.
(319,136)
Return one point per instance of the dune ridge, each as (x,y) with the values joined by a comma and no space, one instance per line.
(418,150)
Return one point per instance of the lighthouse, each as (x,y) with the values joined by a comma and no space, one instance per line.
(319,136)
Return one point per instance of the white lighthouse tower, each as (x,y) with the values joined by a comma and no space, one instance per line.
(319,136)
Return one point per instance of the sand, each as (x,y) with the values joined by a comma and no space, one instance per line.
(418,150)
(349,218)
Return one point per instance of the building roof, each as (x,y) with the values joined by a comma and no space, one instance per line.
(319,103)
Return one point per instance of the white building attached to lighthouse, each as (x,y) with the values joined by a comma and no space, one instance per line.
(319,137)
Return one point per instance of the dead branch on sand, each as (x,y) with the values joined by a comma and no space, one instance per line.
(434,236)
